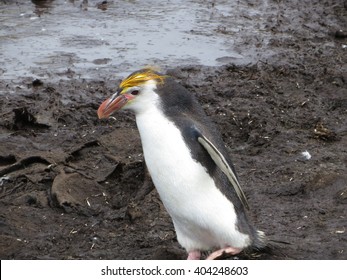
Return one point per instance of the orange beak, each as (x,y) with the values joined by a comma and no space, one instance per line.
(113,104)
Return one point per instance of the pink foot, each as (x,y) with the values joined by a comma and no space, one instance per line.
(227,250)
(194,255)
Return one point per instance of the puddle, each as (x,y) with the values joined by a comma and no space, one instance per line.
(46,38)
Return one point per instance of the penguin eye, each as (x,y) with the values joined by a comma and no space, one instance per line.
(135,92)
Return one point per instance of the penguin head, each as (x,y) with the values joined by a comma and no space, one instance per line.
(137,92)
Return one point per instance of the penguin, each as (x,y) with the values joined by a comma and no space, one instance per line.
(189,165)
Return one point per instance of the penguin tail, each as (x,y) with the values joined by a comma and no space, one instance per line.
(260,241)
(263,247)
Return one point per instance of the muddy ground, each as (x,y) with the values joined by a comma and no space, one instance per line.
(75,187)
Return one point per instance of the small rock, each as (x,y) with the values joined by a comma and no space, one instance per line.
(37,83)
(133,212)
(324,133)
(102,5)
(341,34)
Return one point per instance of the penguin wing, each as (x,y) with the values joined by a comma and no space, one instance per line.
(221,162)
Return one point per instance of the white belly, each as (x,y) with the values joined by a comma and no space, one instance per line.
(203,217)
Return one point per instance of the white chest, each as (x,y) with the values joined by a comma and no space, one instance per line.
(177,177)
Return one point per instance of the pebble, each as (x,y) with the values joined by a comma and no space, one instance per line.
(341,34)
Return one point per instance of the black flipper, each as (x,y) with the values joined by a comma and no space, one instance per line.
(221,162)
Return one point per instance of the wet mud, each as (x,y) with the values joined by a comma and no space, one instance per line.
(75,187)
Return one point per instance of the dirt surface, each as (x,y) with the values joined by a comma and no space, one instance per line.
(75,187)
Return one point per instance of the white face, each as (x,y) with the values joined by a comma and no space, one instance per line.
(145,97)
(139,99)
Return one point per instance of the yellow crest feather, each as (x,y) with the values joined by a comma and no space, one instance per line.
(141,77)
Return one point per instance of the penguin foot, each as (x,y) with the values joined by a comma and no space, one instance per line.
(194,255)
(220,252)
